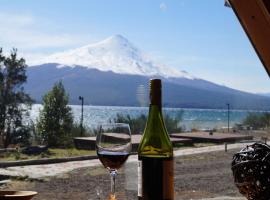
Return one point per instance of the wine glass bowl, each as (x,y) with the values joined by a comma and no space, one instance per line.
(113,146)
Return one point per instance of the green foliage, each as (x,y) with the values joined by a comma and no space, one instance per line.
(55,119)
(257,121)
(69,152)
(173,123)
(76,131)
(137,124)
(22,136)
(14,102)
(266,119)
(50,153)
(17,155)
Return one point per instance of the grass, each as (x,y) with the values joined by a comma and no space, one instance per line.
(73,152)
(51,153)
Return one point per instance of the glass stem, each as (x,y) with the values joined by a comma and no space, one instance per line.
(113,175)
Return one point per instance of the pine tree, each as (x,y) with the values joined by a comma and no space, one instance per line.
(14,102)
(55,119)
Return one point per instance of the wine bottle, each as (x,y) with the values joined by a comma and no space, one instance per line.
(155,153)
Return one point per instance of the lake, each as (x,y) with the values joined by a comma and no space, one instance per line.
(191,118)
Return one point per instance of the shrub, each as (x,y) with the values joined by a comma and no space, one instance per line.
(173,123)
(22,136)
(137,124)
(257,121)
(87,131)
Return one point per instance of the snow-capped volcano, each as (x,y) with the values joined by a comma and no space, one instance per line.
(114,72)
(115,54)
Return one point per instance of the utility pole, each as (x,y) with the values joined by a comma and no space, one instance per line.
(228,117)
(82,99)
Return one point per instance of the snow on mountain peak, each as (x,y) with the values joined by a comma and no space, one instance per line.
(115,54)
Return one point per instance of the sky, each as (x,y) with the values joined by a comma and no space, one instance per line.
(203,38)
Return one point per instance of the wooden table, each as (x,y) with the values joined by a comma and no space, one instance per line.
(214,137)
(89,143)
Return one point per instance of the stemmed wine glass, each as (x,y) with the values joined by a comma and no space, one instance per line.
(113,146)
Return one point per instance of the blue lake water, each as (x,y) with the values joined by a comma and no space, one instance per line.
(191,118)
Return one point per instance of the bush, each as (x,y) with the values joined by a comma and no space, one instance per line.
(68,142)
(257,121)
(173,123)
(87,131)
(137,124)
(76,130)
(266,119)
(22,136)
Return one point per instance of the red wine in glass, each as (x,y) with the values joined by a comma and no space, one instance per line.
(112,160)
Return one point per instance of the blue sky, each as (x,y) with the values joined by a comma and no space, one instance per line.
(203,38)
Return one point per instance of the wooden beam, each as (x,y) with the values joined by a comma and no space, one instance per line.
(254,16)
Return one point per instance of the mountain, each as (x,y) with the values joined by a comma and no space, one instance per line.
(114,54)
(264,94)
(115,72)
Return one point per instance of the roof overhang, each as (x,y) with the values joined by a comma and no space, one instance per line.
(254,16)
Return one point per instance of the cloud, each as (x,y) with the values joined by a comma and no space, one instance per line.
(32,58)
(163,7)
(25,32)
(8,20)
(34,39)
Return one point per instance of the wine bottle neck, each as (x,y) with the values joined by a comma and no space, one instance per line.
(155,93)
(155,97)
(158,105)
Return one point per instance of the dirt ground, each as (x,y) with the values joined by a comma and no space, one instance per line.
(197,176)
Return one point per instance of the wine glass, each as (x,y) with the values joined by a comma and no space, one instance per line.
(113,146)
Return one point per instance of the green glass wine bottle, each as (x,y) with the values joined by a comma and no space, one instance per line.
(155,153)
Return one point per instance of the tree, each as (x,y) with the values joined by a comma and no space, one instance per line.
(55,119)
(14,102)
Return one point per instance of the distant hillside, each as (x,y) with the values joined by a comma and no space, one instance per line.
(109,88)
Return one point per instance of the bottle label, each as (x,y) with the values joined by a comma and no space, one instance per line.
(139,178)
(168,189)
(155,178)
